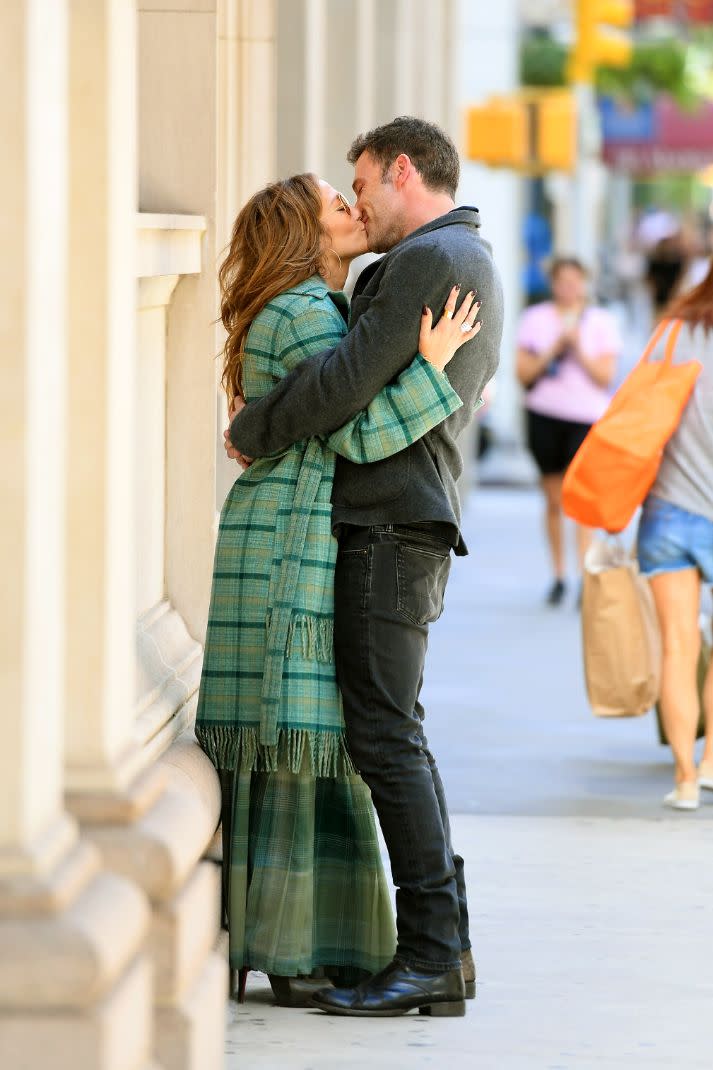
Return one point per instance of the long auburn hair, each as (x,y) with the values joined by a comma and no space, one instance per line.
(277,242)
(695,306)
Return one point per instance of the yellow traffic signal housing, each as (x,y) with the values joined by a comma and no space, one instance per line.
(597,45)
(497,132)
(532,131)
(556,130)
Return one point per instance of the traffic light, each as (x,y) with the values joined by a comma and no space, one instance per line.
(532,131)
(556,130)
(498,132)
(597,44)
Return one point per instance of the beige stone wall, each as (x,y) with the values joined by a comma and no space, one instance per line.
(32,341)
(177,173)
(126,152)
(75,968)
(345,67)
(132,134)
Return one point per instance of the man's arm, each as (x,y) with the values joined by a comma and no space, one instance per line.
(327,390)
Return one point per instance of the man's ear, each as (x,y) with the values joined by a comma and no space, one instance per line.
(401,170)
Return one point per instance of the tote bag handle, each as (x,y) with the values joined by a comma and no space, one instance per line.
(670,341)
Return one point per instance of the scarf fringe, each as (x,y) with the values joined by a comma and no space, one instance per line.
(309,636)
(237,749)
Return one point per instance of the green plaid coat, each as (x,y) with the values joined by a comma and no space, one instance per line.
(269,702)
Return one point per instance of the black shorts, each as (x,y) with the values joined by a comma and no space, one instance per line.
(553,443)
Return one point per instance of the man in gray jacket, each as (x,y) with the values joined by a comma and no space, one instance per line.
(397,522)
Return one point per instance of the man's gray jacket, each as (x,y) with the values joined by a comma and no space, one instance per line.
(323,392)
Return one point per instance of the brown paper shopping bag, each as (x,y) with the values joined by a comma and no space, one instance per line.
(620,635)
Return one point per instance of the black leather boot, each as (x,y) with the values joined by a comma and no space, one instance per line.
(296,991)
(396,990)
(468,967)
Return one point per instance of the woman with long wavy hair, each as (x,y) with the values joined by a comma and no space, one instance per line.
(304,890)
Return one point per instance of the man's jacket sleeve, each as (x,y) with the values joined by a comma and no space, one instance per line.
(328,389)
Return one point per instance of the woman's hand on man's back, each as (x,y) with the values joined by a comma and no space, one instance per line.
(235,455)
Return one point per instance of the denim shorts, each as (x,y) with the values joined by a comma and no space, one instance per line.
(671,539)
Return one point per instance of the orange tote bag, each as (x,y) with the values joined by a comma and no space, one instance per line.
(614,468)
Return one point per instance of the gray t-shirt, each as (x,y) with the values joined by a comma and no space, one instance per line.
(685,477)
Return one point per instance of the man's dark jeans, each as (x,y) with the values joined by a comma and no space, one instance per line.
(389,586)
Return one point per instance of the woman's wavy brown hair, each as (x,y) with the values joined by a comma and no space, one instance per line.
(277,242)
(695,306)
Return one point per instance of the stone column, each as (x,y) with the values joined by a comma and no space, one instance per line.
(315,85)
(34,831)
(169,659)
(405,74)
(429,61)
(150,819)
(490,34)
(102,759)
(387,97)
(291,111)
(177,139)
(246,148)
(347,90)
(74,984)
(365,81)
(246,105)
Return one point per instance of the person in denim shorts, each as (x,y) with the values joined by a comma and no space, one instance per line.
(675,549)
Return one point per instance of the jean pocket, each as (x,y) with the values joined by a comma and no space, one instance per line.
(421,577)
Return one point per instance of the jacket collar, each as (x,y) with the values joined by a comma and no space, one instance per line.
(314,286)
(466,215)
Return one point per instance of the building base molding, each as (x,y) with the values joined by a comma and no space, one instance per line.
(48,891)
(190,1034)
(72,959)
(183,934)
(169,673)
(76,983)
(114,1034)
(123,806)
(116,782)
(162,853)
(160,850)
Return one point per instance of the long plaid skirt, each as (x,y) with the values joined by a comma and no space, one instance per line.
(303,882)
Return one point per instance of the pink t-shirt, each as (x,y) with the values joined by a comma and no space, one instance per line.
(569,394)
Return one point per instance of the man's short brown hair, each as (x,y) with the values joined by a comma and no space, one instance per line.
(429,148)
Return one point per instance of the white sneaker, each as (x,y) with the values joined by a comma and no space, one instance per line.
(705,776)
(685,796)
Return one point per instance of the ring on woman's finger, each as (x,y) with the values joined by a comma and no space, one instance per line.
(465,327)
(448,313)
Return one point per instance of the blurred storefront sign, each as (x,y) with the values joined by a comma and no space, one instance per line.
(656,137)
(700,11)
(654,9)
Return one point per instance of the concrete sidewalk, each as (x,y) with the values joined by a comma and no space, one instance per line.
(590,904)
(593,939)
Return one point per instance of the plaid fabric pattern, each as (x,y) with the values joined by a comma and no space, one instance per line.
(268,701)
(268,690)
(306,884)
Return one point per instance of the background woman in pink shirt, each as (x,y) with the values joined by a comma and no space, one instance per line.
(566,360)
